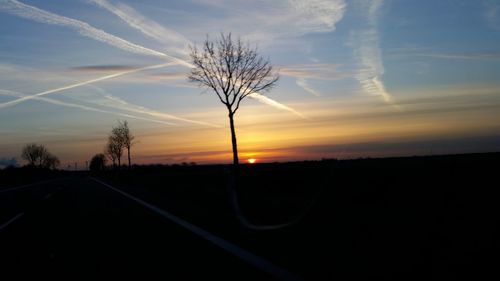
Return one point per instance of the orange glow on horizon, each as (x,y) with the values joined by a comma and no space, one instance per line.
(252,160)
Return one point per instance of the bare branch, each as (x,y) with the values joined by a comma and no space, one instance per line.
(232,69)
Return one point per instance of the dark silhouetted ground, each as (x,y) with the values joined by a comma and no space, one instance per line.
(398,218)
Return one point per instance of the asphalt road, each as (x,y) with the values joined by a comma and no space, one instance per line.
(79,229)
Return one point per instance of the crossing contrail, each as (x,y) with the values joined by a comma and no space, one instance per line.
(30,12)
(161,34)
(17,8)
(146,26)
(25,98)
(123,105)
(136,110)
(84,107)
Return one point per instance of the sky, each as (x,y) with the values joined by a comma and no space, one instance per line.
(360,78)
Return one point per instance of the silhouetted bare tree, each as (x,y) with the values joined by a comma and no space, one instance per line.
(31,153)
(119,139)
(123,133)
(109,151)
(39,156)
(51,162)
(233,70)
(114,149)
(98,162)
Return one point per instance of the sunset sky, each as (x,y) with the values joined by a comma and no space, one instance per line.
(358,78)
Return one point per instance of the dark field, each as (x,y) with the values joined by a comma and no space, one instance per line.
(400,218)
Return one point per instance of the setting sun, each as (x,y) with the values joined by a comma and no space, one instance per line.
(252,160)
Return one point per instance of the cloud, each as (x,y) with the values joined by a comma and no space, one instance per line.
(317,13)
(265,100)
(33,13)
(163,76)
(60,89)
(12,72)
(305,85)
(84,107)
(369,57)
(427,146)
(30,12)
(117,103)
(174,41)
(268,20)
(464,56)
(20,75)
(167,76)
(121,104)
(104,68)
(322,71)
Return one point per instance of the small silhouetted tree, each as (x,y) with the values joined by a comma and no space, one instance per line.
(97,163)
(232,70)
(31,153)
(51,162)
(119,139)
(38,156)
(114,149)
(122,132)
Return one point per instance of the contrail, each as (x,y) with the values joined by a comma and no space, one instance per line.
(88,108)
(30,12)
(14,102)
(302,82)
(370,57)
(273,103)
(140,109)
(159,33)
(145,25)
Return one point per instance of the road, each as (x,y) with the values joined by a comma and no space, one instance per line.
(76,228)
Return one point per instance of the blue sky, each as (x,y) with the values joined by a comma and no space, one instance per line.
(358,78)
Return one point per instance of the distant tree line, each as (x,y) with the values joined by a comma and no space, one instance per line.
(39,156)
(120,140)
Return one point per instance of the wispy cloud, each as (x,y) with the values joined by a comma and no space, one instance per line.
(323,71)
(30,12)
(265,100)
(310,16)
(33,13)
(464,56)
(319,71)
(117,103)
(67,87)
(317,13)
(368,54)
(104,68)
(174,41)
(305,85)
(153,76)
(122,105)
(83,107)
(270,20)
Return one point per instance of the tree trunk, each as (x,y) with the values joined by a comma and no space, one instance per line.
(119,163)
(128,154)
(233,139)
